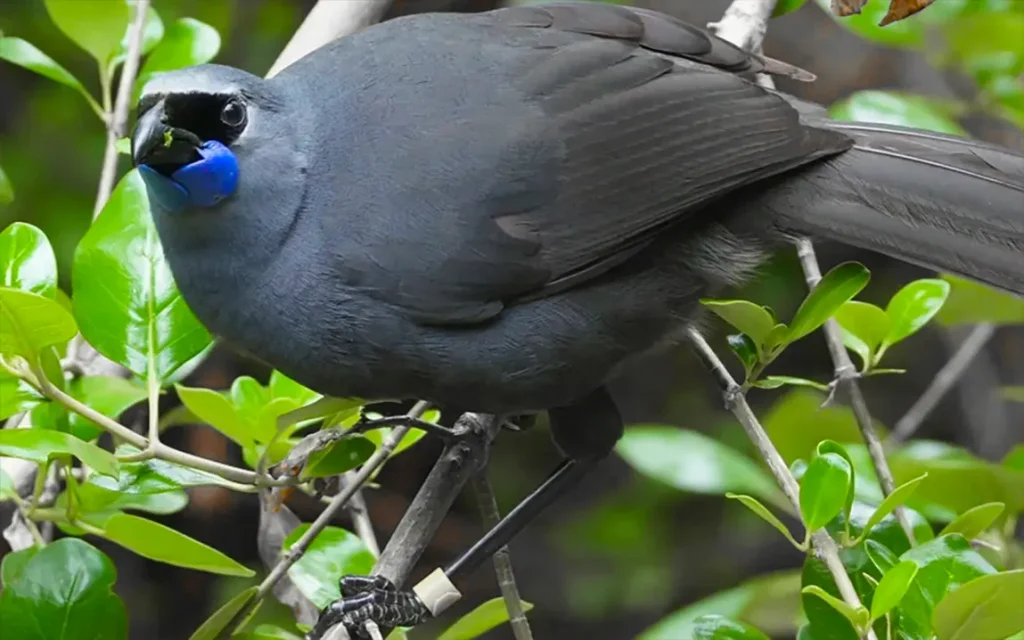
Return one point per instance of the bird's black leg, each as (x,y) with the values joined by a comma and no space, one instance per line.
(586,431)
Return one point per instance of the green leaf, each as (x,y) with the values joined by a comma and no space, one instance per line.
(864,327)
(690,461)
(125,300)
(40,445)
(972,303)
(217,411)
(986,608)
(716,627)
(774,382)
(163,544)
(333,553)
(858,617)
(479,621)
(766,515)
(908,33)
(16,396)
(26,55)
(155,476)
(29,323)
(27,262)
(770,602)
(94,25)
(345,454)
(823,489)
(912,307)
(895,499)
(1013,394)
(892,588)
(837,287)
(268,632)
(7,488)
(831,446)
(782,7)
(281,386)
(973,522)
(186,42)
(108,395)
(886,107)
(946,563)
(745,350)
(61,592)
(752,319)
(216,623)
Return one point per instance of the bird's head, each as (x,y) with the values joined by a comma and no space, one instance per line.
(198,129)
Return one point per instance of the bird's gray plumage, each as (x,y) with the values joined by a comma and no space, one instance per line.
(496,211)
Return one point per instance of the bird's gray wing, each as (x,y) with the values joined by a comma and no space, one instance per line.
(620,122)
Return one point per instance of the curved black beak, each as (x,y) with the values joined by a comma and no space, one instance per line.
(160,146)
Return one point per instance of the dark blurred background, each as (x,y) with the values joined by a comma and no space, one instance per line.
(622,551)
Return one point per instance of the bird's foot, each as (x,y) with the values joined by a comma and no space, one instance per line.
(365,599)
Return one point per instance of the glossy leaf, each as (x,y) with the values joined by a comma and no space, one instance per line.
(986,608)
(831,446)
(836,288)
(895,499)
(27,262)
(858,617)
(892,588)
(690,461)
(769,602)
(333,553)
(752,319)
(61,592)
(157,542)
(782,7)
(480,620)
(155,476)
(30,323)
(26,55)
(774,382)
(94,25)
(745,349)
(125,299)
(973,522)
(213,626)
(864,327)
(40,445)
(823,489)
(946,563)
(345,454)
(216,410)
(6,188)
(108,395)
(886,107)
(186,42)
(912,307)
(716,627)
(766,515)
(971,303)
(16,396)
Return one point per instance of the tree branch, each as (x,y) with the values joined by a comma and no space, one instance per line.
(944,380)
(846,379)
(822,543)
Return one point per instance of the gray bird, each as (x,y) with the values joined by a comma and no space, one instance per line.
(496,211)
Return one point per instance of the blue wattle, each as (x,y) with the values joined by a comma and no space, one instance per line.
(210,179)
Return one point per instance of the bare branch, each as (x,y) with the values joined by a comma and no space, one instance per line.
(846,380)
(944,380)
(502,559)
(327,21)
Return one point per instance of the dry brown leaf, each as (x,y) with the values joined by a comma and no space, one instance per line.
(900,9)
(843,8)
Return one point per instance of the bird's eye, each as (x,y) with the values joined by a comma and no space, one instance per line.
(233,114)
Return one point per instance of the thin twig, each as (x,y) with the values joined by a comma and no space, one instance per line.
(824,546)
(502,559)
(944,380)
(360,515)
(118,118)
(846,379)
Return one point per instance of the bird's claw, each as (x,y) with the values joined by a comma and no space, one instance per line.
(369,598)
